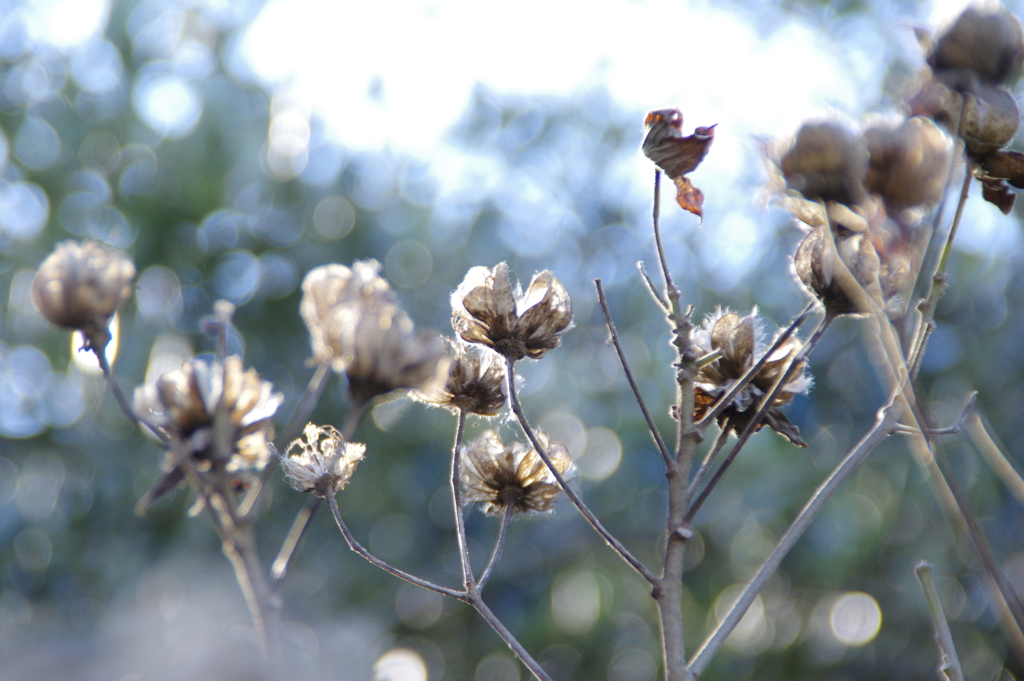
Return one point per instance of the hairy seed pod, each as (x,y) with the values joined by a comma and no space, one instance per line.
(988,43)
(817,266)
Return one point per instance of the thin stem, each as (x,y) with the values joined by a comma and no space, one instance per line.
(651,426)
(517,409)
(456,485)
(499,545)
(709,460)
(401,574)
(749,375)
(760,415)
(97,342)
(672,293)
(949,664)
(301,523)
(994,454)
(652,287)
(309,398)
(887,418)
(510,640)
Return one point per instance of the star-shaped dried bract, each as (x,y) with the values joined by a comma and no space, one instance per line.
(184,403)
(678,156)
(501,476)
(486,310)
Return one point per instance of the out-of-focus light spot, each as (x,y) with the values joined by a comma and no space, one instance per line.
(167,354)
(752,634)
(67,399)
(417,607)
(36,144)
(25,375)
(33,548)
(497,667)
(39,486)
(278,227)
(167,103)
(288,136)
(96,67)
(34,81)
(86,360)
(138,177)
(855,618)
(278,275)
(632,664)
(392,536)
(334,217)
(400,664)
(218,232)
(237,276)
(158,295)
(24,209)
(576,601)
(66,23)
(408,264)
(5,149)
(565,427)
(602,455)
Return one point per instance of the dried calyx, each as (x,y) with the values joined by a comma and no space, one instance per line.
(357,326)
(185,404)
(486,310)
(741,342)
(82,285)
(500,476)
(475,384)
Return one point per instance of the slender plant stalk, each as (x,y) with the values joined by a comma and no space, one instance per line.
(759,416)
(651,426)
(456,487)
(652,287)
(401,574)
(507,636)
(279,568)
(499,545)
(888,416)
(517,409)
(949,664)
(709,461)
(993,453)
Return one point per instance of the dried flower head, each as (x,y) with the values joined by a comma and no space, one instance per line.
(984,44)
(475,384)
(82,285)
(500,476)
(486,310)
(357,325)
(184,404)
(818,265)
(324,462)
(826,162)
(742,344)
(909,163)
(330,288)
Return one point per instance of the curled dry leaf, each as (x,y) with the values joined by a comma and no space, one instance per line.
(677,155)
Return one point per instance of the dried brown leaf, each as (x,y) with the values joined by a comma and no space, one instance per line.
(665,145)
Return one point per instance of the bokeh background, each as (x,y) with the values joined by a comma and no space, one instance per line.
(232,146)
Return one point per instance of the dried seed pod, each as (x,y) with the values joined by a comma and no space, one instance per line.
(501,476)
(741,341)
(475,384)
(908,164)
(323,463)
(82,285)
(816,265)
(486,310)
(986,42)
(826,162)
(990,120)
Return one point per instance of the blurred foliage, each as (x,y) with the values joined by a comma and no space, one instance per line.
(207,210)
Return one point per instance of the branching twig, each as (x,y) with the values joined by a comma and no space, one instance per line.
(506,518)
(978,431)
(652,287)
(949,664)
(456,487)
(517,409)
(887,418)
(709,461)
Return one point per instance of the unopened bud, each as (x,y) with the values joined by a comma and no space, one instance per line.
(987,43)
(82,285)
(826,162)
(909,164)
